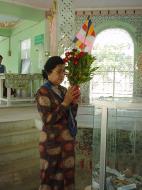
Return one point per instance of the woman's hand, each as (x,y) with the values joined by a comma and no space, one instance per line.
(72,94)
(76,92)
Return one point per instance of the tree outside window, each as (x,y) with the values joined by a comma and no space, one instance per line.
(114,51)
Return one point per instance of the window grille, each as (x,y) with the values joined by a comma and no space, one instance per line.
(115,75)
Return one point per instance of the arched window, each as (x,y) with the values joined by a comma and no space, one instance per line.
(114,51)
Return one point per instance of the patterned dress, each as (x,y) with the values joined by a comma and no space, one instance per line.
(56,145)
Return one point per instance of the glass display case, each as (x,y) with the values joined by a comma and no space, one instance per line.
(117,144)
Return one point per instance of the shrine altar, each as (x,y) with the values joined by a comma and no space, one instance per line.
(19,82)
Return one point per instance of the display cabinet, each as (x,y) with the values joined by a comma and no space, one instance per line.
(117,144)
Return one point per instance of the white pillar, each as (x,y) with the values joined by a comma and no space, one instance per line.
(61,21)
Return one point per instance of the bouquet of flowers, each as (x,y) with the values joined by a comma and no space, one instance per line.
(80,66)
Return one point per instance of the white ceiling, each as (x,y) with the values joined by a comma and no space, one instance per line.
(78,4)
(39,4)
(82,4)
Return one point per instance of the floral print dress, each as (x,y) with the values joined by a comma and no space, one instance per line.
(56,145)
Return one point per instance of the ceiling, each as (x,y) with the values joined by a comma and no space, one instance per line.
(81,4)
(12,11)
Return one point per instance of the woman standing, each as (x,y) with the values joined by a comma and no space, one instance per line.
(57,107)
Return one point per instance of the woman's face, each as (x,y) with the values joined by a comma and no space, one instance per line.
(57,75)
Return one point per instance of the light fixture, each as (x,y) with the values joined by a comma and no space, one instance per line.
(6,24)
(8,21)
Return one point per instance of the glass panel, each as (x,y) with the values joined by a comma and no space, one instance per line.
(96,148)
(124,150)
(85,120)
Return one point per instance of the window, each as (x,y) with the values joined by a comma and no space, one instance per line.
(25,56)
(114,51)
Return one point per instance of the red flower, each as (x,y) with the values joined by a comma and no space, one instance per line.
(75,62)
(78,71)
(81,54)
(67,54)
(65,60)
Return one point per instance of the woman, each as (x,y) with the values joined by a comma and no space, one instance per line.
(57,107)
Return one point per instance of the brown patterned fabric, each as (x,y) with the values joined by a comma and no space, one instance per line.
(56,145)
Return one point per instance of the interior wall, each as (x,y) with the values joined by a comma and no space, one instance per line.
(4,44)
(29,29)
(132,24)
(25,30)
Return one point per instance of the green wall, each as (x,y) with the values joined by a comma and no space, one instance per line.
(132,24)
(21,12)
(25,30)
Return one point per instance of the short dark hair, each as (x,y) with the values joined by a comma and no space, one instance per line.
(50,64)
(1,56)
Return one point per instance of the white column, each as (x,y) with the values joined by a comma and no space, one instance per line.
(61,23)
(66,24)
